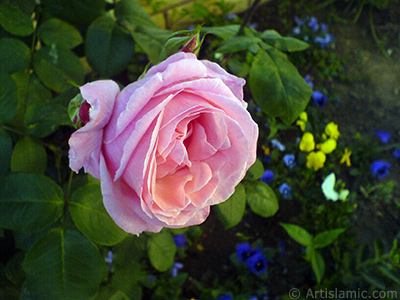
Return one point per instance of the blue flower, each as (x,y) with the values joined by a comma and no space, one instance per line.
(296,30)
(231,16)
(298,21)
(313,23)
(253,298)
(384,136)
(224,297)
(253,26)
(244,251)
(257,263)
(176,268)
(324,27)
(319,98)
(285,189)
(278,144)
(396,152)
(180,240)
(307,78)
(267,177)
(380,168)
(324,41)
(289,160)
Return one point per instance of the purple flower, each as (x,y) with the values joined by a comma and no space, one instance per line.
(396,152)
(176,268)
(244,251)
(307,78)
(285,190)
(384,136)
(313,23)
(267,177)
(319,98)
(298,21)
(257,263)
(180,240)
(289,160)
(380,168)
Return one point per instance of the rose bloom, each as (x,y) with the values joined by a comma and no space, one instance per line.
(168,146)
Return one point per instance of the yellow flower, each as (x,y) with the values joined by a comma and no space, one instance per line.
(328,146)
(302,121)
(266,150)
(307,143)
(346,157)
(316,160)
(331,129)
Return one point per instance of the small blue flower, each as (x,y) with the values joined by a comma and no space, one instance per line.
(257,263)
(396,152)
(244,251)
(180,240)
(285,190)
(307,78)
(324,41)
(253,298)
(324,27)
(298,21)
(319,98)
(278,144)
(296,30)
(231,16)
(224,297)
(380,168)
(176,268)
(289,160)
(253,26)
(267,177)
(384,136)
(313,23)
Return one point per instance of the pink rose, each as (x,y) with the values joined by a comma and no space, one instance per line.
(168,146)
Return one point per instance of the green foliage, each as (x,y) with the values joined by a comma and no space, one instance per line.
(28,156)
(261,198)
(29,202)
(8,98)
(63,264)
(14,21)
(161,250)
(60,33)
(231,212)
(91,218)
(14,55)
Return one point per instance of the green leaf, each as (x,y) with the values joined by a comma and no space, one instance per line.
(223,32)
(15,56)
(63,265)
(231,211)
(373,280)
(151,40)
(108,47)
(261,198)
(74,11)
(277,86)
(119,295)
(287,44)
(60,33)
(29,156)
(255,171)
(237,43)
(56,66)
(5,151)
(14,21)
(318,265)
(8,98)
(161,250)
(42,120)
(327,237)
(29,202)
(91,218)
(299,234)
(131,14)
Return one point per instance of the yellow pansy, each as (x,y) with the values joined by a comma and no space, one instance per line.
(328,146)
(316,160)
(331,129)
(302,121)
(346,157)
(307,143)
